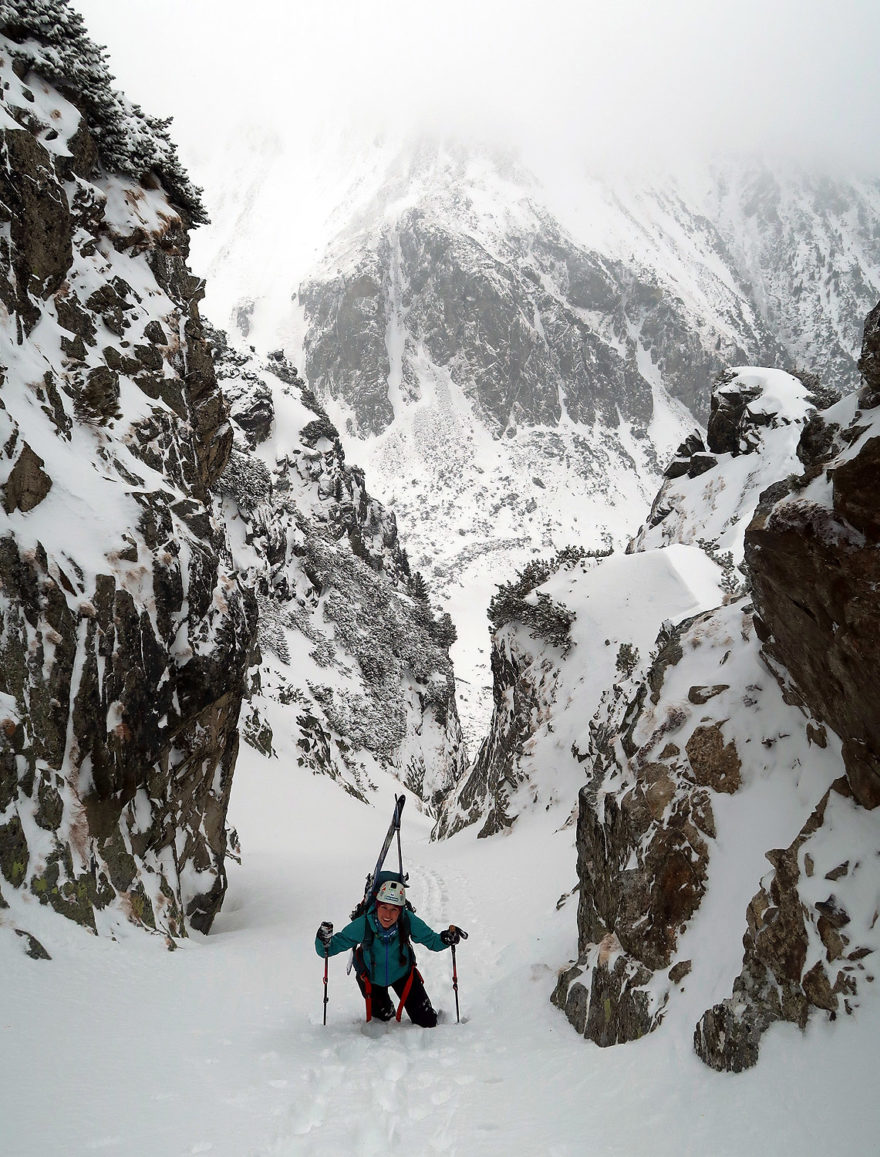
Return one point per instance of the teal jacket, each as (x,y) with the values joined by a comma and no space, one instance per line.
(382,956)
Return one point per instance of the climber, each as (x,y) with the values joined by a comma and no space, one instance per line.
(382,942)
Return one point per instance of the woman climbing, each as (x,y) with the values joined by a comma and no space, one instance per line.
(382,941)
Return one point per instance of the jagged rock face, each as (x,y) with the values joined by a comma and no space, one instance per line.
(665,748)
(355,664)
(808,939)
(514,324)
(522,690)
(645,826)
(124,636)
(756,417)
(813,551)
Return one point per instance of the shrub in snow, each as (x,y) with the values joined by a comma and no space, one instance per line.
(545,618)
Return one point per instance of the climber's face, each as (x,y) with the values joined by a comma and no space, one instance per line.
(387,914)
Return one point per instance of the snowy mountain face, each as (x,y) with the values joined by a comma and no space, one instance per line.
(125,636)
(514,364)
(355,673)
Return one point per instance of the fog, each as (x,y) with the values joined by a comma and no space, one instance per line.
(629,81)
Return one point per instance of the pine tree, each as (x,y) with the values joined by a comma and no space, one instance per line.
(50,37)
(418,588)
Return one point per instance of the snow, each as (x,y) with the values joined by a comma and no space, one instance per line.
(117,1045)
(219,1048)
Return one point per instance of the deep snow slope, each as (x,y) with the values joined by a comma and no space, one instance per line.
(218,1048)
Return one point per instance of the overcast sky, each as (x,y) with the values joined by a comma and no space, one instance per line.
(605,79)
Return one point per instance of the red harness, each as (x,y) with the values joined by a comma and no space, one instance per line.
(364,977)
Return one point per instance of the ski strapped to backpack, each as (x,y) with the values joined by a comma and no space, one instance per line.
(377,877)
(373,883)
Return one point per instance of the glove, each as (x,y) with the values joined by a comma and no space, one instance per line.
(325,932)
(452,935)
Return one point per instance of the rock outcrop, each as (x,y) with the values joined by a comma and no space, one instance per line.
(813,554)
(784,711)
(125,636)
(355,662)
(522,687)
(684,761)
(813,551)
(810,937)
(712,488)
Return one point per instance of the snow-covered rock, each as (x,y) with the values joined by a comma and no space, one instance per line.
(125,635)
(741,705)
(355,666)
(712,489)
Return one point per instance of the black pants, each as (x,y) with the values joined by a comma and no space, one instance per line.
(418,1005)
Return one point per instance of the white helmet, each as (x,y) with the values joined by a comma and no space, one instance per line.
(392,892)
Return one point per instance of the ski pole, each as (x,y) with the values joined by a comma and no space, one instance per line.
(326,963)
(455,986)
(464,936)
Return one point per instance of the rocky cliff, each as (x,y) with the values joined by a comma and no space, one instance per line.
(812,553)
(181,534)
(355,666)
(748,733)
(125,636)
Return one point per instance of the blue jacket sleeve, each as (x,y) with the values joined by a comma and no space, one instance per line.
(350,936)
(422,934)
